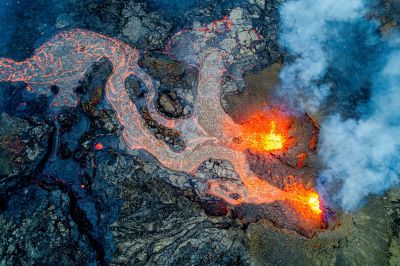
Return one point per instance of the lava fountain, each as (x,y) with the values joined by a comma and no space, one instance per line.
(209,132)
(262,132)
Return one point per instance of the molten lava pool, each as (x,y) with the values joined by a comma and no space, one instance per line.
(264,132)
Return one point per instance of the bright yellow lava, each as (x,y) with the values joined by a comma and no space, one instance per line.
(261,132)
(314,203)
(267,141)
(272,141)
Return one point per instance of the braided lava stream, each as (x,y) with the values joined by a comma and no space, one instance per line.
(209,132)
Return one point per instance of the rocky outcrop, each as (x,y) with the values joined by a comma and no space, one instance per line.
(23,144)
(161,225)
(147,30)
(37,228)
(175,81)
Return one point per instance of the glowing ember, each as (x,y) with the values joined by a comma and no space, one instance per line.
(301,157)
(98,146)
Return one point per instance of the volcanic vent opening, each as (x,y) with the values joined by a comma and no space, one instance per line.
(280,151)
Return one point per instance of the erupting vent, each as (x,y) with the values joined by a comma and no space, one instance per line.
(209,133)
(263,132)
(270,141)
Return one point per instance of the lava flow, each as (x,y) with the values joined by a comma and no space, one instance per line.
(63,61)
(307,203)
(267,132)
(268,141)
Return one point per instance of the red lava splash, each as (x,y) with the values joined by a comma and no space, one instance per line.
(64,59)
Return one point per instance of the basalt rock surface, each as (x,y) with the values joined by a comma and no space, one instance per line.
(159,224)
(23,144)
(365,238)
(37,228)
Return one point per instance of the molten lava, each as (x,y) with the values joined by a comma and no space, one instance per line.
(267,141)
(98,146)
(314,203)
(306,202)
(311,199)
(268,132)
(262,132)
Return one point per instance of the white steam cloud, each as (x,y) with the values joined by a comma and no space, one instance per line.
(361,156)
(306,26)
(364,155)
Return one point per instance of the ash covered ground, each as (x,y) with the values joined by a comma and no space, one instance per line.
(71,193)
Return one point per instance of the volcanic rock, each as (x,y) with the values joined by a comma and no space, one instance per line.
(23,144)
(36,228)
(241,102)
(170,105)
(132,29)
(220,168)
(158,225)
(361,239)
(388,12)
(63,21)
(67,119)
(143,29)
(171,136)
(176,82)
(104,121)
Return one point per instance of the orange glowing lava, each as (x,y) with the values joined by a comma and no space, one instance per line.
(306,202)
(272,141)
(98,146)
(262,132)
(266,141)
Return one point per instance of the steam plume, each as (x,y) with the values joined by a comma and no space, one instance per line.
(361,155)
(306,27)
(364,155)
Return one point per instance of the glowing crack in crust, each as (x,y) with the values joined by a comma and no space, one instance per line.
(65,58)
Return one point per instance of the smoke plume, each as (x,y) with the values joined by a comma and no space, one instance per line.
(306,29)
(333,42)
(363,155)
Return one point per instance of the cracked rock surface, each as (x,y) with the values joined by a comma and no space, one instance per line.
(37,229)
(159,225)
(23,144)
